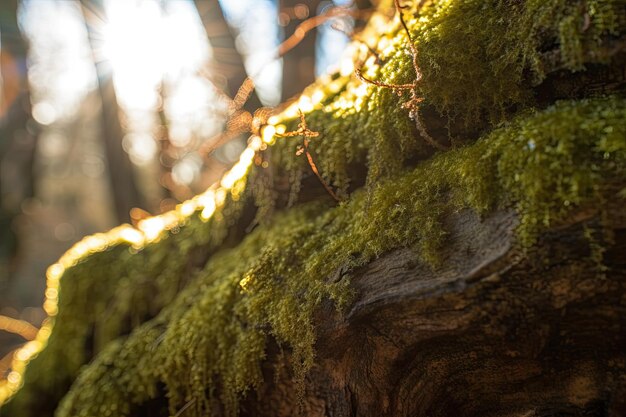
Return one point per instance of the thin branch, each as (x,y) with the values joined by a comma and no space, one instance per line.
(424,133)
(306,133)
(313,22)
(185,407)
(241,121)
(413,104)
(309,158)
(399,8)
(19,327)
(361,77)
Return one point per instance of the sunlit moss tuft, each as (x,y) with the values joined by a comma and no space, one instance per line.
(476,56)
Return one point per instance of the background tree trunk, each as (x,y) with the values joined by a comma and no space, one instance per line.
(18,145)
(299,62)
(126,194)
(18,136)
(227,64)
(167,153)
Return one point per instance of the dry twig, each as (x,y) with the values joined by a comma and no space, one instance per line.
(19,327)
(313,22)
(241,121)
(306,133)
(413,104)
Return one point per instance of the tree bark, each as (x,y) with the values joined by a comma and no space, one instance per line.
(495,331)
(126,193)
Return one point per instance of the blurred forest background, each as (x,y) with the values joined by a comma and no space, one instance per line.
(108,108)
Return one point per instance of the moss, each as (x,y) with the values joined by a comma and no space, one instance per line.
(214,333)
(562,158)
(475,54)
(111,291)
(479,62)
(207,346)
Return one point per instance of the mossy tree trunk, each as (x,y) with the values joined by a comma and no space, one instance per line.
(495,332)
(487,279)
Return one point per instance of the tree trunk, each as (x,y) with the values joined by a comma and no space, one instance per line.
(495,332)
(18,137)
(299,62)
(126,194)
(227,63)
(12,56)
(167,156)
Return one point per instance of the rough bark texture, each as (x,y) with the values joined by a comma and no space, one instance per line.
(494,332)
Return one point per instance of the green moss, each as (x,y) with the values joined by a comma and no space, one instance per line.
(475,54)
(215,331)
(111,292)
(559,159)
(479,62)
(206,347)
